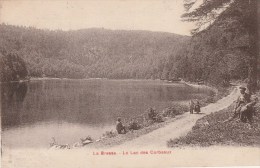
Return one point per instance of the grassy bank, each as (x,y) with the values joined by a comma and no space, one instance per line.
(209,130)
(113,139)
(167,116)
(118,139)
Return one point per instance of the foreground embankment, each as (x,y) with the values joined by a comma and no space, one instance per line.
(181,126)
(211,130)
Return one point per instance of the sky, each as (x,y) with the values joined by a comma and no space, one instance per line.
(152,15)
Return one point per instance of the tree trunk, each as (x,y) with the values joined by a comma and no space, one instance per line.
(253,46)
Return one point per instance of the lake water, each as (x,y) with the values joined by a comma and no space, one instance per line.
(34,112)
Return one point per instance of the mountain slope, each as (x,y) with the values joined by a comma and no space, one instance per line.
(91,52)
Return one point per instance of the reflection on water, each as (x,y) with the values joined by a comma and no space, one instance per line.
(12,97)
(71,109)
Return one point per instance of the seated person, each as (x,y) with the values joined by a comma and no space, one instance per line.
(197,106)
(155,117)
(152,114)
(119,127)
(247,110)
(133,125)
(244,106)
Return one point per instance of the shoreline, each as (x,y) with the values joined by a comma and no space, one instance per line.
(179,128)
(145,130)
(203,86)
(130,136)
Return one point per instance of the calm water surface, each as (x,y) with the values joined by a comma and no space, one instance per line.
(34,112)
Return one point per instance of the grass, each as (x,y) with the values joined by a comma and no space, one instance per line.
(169,114)
(210,131)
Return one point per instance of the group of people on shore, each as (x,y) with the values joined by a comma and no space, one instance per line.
(244,107)
(122,129)
(194,106)
(244,110)
(153,116)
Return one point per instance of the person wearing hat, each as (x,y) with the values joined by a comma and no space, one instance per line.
(243,109)
(242,100)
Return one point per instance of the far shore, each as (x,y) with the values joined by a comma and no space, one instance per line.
(193,84)
(44,78)
(111,79)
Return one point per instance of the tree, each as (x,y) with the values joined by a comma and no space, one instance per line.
(239,13)
(12,67)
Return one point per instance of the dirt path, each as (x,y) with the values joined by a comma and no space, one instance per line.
(180,127)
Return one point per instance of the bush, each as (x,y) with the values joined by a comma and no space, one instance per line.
(176,109)
(109,134)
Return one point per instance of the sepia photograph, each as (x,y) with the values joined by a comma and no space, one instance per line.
(129,83)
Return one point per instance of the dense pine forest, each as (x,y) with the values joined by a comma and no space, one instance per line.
(224,45)
(91,53)
(216,54)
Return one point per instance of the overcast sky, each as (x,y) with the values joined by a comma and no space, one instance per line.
(153,15)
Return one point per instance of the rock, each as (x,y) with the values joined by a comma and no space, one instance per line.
(87,142)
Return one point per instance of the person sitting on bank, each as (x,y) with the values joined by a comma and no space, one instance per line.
(247,102)
(152,114)
(244,107)
(120,127)
(197,106)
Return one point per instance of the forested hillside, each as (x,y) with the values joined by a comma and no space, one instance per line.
(220,52)
(227,49)
(91,52)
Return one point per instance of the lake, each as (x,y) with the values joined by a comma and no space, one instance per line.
(34,112)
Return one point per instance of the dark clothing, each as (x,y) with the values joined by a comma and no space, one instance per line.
(120,128)
(247,115)
(244,108)
(191,106)
(240,108)
(247,111)
(152,115)
(134,126)
(197,107)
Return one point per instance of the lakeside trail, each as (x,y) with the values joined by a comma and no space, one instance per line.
(158,138)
